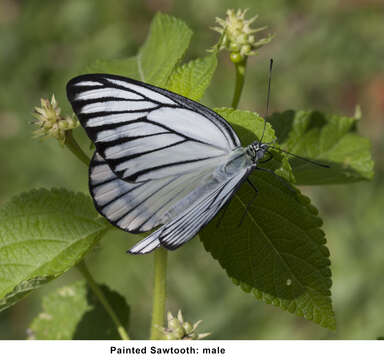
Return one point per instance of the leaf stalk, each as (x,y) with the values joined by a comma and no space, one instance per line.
(82,267)
(75,148)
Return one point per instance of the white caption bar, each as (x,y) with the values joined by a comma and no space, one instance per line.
(244,350)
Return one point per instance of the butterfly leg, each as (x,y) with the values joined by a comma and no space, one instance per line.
(222,214)
(249,203)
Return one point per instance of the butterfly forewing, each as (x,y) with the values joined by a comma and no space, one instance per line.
(144,132)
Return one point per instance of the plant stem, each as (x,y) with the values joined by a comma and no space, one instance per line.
(72,145)
(159,292)
(103,300)
(240,76)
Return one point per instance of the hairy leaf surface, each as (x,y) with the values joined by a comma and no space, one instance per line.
(43,234)
(192,79)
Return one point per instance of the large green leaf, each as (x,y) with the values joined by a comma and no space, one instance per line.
(43,234)
(278,252)
(327,138)
(167,41)
(73,312)
(192,79)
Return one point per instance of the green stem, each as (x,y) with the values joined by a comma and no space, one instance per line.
(103,300)
(159,293)
(240,77)
(72,145)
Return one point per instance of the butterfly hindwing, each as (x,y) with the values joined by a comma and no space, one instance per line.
(187,224)
(139,207)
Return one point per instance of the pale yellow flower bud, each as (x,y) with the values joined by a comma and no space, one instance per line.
(238,36)
(178,329)
(49,121)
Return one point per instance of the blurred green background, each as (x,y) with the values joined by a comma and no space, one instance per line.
(328,56)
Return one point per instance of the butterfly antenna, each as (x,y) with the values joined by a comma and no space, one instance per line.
(301,158)
(268,97)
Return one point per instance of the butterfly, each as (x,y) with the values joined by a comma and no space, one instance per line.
(161,159)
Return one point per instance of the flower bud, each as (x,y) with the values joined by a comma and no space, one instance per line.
(170,336)
(174,324)
(236,58)
(178,329)
(187,327)
(238,36)
(50,122)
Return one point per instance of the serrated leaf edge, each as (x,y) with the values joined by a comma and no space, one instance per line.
(324,321)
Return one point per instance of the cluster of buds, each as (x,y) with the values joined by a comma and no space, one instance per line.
(178,329)
(50,122)
(237,35)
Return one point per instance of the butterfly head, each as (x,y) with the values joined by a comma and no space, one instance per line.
(256,151)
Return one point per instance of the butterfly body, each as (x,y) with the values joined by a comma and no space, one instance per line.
(161,159)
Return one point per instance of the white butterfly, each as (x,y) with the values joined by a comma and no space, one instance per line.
(161,159)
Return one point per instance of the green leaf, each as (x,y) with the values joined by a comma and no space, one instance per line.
(22,289)
(329,139)
(62,311)
(167,41)
(285,169)
(73,312)
(43,234)
(192,79)
(278,253)
(166,44)
(248,125)
(96,324)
